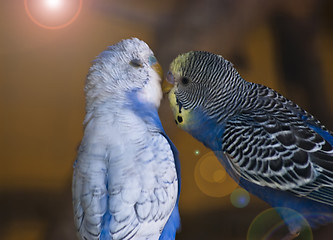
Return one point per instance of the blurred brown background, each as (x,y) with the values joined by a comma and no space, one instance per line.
(286,45)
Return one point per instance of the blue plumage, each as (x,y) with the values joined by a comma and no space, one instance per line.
(105,226)
(271,146)
(325,134)
(150,115)
(126,179)
(172,225)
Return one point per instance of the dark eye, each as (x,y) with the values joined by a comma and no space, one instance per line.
(136,63)
(185,80)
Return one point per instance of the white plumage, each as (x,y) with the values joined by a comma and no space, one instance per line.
(125,183)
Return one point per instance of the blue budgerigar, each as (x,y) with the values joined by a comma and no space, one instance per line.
(274,148)
(126,178)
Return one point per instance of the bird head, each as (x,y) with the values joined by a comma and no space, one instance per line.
(128,67)
(200,84)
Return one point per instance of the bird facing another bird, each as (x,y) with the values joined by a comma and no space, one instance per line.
(126,178)
(271,146)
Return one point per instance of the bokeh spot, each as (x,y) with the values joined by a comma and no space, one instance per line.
(211,178)
(196,152)
(268,225)
(240,198)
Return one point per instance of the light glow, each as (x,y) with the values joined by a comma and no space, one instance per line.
(53,4)
(53,14)
(211,178)
(240,198)
(196,152)
(269,225)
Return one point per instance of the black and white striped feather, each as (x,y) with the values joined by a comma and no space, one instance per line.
(280,152)
(270,143)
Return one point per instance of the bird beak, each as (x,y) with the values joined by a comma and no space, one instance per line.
(158,69)
(168,83)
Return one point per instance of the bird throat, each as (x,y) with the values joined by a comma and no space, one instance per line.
(196,123)
(182,116)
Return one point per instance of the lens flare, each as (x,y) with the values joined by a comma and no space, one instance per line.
(53,14)
(219,175)
(268,225)
(196,152)
(240,198)
(53,4)
(211,178)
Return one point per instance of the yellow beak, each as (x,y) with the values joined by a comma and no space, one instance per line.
(157,68)
(168,83)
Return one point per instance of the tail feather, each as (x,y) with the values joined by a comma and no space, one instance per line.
(105,233)
(172,225)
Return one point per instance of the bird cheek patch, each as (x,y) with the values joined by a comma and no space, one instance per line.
(182,115)
(179,119)
(173,102)
(184,119)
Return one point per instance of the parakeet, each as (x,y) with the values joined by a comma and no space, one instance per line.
(126,179)
(274,148)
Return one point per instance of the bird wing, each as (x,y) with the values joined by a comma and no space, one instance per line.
(173,223)
(113,196)
(282,149)
(90,196)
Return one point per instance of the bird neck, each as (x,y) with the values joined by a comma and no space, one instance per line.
(146,111)
(202,127)
(212,123)
(126,109)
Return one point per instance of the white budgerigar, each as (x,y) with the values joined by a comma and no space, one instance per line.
(126,179)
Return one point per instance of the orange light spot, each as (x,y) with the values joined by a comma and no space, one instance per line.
(49,6)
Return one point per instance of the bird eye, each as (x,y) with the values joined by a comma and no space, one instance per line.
(185,80)
(136,63)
